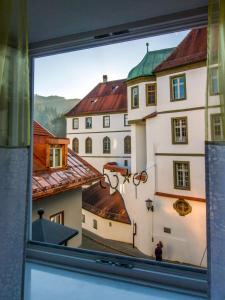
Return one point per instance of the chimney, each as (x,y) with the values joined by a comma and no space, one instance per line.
(105,78)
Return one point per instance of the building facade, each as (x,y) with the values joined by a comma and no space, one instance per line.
(58,177)
(98,126)
(166,111)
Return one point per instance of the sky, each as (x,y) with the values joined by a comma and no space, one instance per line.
(75,74)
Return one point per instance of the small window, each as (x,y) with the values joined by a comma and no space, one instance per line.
(214,82)
(179,130)
(151,94)
(57,218)
(88,145)
(125,163)
(55,156)
(216,127)
(83,218)
(88,122)
(134,97)
(106,145)
(126,120)
(75,123)
(95,224)
(178,87)
(182,175)
(127,145)
(76,145)
(106,121)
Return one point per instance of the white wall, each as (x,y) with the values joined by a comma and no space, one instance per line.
(117,231)
(116,132)
(71,203)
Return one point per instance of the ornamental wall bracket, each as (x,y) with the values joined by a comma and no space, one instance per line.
(182,207)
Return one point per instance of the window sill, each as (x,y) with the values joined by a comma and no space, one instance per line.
(165,276)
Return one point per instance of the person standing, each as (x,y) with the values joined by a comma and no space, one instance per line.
(158,251)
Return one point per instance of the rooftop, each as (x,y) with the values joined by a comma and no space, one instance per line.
(106,97)
(150,61)
(191,50)
(47,181)
(99,201)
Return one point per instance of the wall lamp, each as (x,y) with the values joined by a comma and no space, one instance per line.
(149,205)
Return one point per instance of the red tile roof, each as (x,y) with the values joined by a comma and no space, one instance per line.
(106,97)
(191,50)
(39,130)
(99,201)
(113,167)
(47,182)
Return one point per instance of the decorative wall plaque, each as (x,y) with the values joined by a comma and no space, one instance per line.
(182,207)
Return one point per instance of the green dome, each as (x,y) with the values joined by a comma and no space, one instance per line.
(151,60)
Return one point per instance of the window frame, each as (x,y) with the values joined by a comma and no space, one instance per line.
(147,93)
(188,188)
(173,130)
(95,224)
(86,119)
(212,116)
(71,259)
(132,98)
(124,120)
(125,146)
(61,213)
(106,151)
(211,93)
(91,147)
(78,142)
(172,98)
(55,147)
(104,118)
(75,119)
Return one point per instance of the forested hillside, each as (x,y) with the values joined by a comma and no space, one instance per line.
(50,111)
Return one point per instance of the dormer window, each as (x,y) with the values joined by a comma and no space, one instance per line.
(55,156)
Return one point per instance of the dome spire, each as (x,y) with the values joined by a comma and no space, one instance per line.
(147,44)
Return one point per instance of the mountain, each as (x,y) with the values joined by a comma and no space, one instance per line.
(50,111)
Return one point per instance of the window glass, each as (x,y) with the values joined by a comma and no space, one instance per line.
(106,121)
(76,145)
(95,224)
(75,123)
(126,120)
(127,145)
(151,94)
(55,156)
(179,130)
(88,145)
(182,175)
(57,218)
(106,145)
(88,122)
(216,127)
(214,81)
(178,87)
(134,97)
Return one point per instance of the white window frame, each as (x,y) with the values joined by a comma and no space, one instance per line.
(106,124)
(53,149)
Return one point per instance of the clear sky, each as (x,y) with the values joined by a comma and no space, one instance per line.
(74,74)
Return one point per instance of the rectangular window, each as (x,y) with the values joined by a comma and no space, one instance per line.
(182,175)
(214,82)
(88,122)
(134,97)
(58,218)
(55,156)
(151,94)
(216,127)
(106,121)
(125,163)
(75,123)
(126,120)
(178,87)
(95,224)
(179,130)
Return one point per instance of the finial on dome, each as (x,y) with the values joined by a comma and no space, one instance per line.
(147,44)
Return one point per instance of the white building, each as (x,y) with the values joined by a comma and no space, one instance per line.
(98,126)
(166,110)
